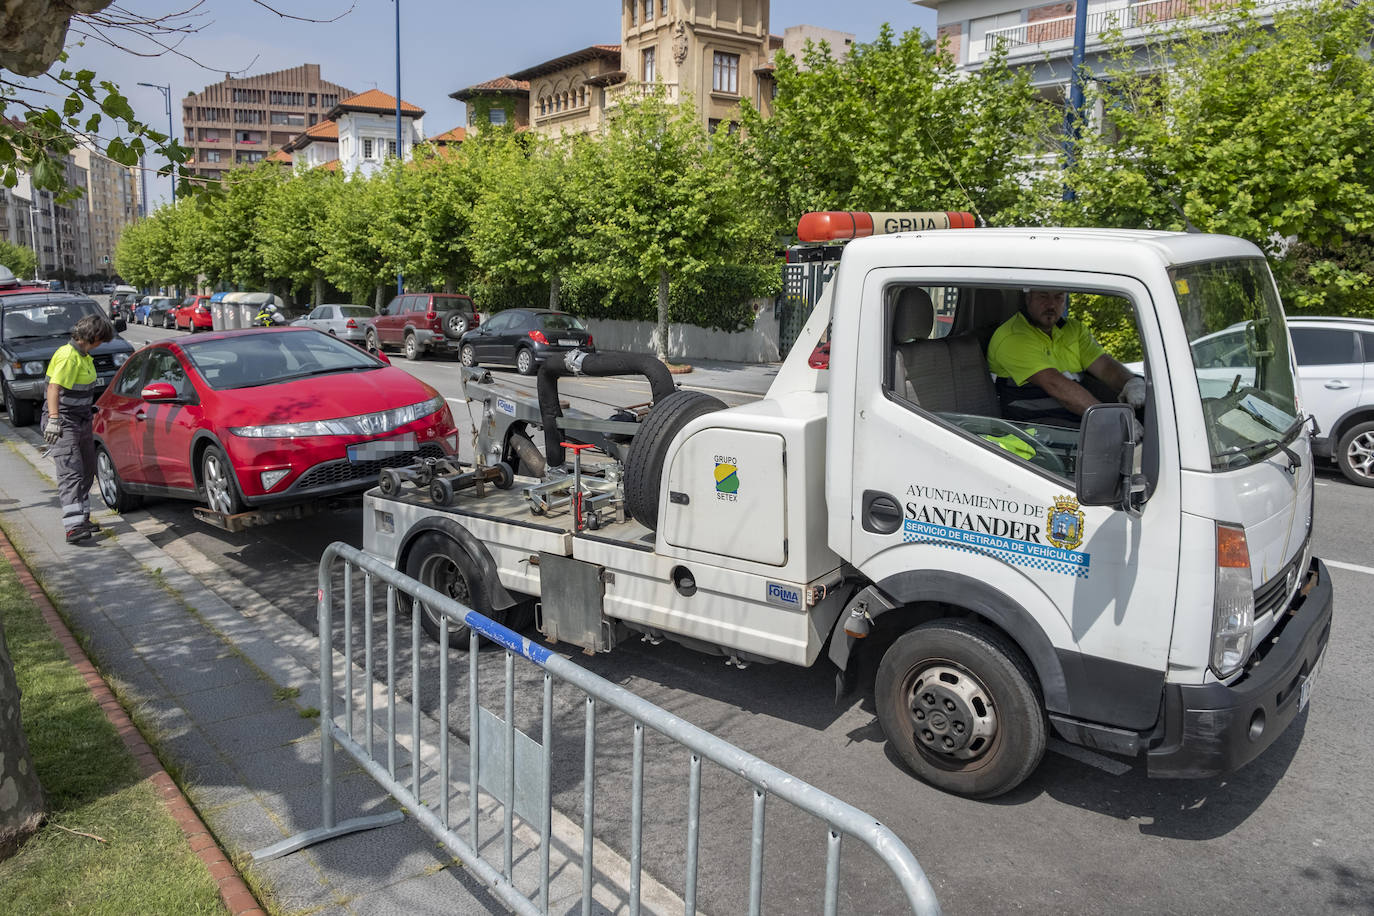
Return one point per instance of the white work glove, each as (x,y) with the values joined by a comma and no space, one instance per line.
(52,431)
(1133,393)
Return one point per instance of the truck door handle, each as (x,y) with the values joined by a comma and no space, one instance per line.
(881,513)
(1336,385)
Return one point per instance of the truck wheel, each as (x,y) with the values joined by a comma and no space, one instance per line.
(441,491)
(455,325)
(960,705)
(21,412)
(412,346)
(1355,454)
(649,450)
(221,487)
(437,561)
(112,490)
(524,362)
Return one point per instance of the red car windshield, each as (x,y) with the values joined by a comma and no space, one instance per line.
(250,360)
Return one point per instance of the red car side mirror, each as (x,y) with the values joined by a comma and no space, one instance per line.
(159,391)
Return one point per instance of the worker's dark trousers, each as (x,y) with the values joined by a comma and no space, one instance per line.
(74,455)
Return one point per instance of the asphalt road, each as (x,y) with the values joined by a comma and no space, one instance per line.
(1291,833)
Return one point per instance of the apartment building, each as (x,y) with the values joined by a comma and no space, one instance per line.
(242,121)
(112,204)
(718,52)
(1040,36)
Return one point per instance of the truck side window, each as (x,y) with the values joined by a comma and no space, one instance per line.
(938,363)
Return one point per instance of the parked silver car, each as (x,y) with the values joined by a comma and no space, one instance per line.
(346,321)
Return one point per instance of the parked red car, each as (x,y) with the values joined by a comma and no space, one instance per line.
(194,314)
(260,416)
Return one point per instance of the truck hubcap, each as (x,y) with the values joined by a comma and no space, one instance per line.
(1360,454)
(952,714)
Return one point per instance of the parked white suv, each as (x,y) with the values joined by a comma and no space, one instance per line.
(1335,359)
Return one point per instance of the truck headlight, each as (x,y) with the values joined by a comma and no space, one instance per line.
(34,367)
(119,359)
(1233,603)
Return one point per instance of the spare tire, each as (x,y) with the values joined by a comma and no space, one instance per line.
(649,450)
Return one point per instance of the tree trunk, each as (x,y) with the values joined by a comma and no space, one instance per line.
(21,795)
(555,289)
(377,299)
(317,294)
(661,331)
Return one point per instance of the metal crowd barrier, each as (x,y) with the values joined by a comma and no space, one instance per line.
(842,819)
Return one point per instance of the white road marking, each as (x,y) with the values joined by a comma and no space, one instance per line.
(1091,758)
(1367,570)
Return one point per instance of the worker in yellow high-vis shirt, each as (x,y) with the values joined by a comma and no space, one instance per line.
(67,422)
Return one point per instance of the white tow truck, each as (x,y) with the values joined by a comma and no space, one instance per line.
(1141,584)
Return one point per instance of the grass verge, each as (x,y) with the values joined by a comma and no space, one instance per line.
(144,864)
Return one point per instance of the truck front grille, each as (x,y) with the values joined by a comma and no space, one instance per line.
(1270,597)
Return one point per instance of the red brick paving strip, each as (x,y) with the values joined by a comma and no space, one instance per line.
(232,890)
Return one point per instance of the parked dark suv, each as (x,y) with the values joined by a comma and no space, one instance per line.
(33,325)
(420,323)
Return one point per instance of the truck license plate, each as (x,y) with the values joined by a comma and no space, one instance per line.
(1305,691)
(379,449)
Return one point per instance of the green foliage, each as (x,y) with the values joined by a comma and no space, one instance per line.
(1112,321)
(38,133)
(894,128)
(289,241)
(1251,130)
(20,259)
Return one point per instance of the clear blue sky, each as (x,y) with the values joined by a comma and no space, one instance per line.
(445,45)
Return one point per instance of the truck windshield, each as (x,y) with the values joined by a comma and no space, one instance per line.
(1239,344)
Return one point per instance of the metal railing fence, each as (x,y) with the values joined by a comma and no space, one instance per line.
(767,781)
(1060,28)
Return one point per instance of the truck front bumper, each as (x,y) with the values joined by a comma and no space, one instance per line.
(1210,729)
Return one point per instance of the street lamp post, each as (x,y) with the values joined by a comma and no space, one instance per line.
(400,280)
(167,98)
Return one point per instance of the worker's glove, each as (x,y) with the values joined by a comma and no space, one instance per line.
(52,431)
(1133,393)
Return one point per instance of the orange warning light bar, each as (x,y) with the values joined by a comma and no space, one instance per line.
(837,225)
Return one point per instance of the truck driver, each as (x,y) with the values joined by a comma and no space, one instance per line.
(1039,357)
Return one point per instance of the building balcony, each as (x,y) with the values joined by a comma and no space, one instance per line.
(633,92)
(1131,20)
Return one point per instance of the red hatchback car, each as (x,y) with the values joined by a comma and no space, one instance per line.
(258,417)
(194,314)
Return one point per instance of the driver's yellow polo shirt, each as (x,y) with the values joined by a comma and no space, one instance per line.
(1019,349)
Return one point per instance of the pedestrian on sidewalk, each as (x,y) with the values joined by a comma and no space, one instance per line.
(67,422)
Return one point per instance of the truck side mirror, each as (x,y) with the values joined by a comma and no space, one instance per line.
(1109,457)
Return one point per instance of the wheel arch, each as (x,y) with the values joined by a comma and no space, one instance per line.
(202,440)
(1353,417)
(497,596)
(906,599)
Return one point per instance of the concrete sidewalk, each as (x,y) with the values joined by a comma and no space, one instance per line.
(226,696)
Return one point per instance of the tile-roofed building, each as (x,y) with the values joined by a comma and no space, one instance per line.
(718,52)
(359,134)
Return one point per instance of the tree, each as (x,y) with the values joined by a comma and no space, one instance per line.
(289,240)
(22,805)
(893,127)
(20,259)
(354,258)
(1251,129)
(526,218)
(662,202)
